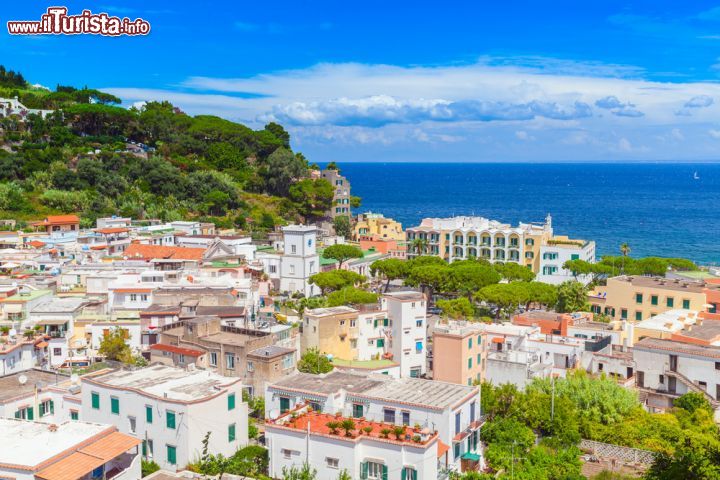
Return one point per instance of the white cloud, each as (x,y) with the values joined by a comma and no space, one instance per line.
(714,133)
(476,108)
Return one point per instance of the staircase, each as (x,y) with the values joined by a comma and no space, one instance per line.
(693,387)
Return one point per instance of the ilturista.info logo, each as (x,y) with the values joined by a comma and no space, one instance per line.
(56,21)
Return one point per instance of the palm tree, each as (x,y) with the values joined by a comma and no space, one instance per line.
(420,245)
(348,425)
(625,250)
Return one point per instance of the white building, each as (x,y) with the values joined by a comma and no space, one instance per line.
(511,358)
(19,353)
(298,261)
(301,435)
(170,410)
(77,450)
(40,395)
(450,409)
(556,252)
(666,369)
(406,312)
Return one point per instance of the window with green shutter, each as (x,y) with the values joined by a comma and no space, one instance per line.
(357,410)
(144,448)
(284,404)
(95,400)
(638,298)
(171,455)
(384,472)
(386,322)
(470,342)
(115,405)
(363,471)
(654,300)
(148,414)
(470,362)
(623,313)
(231,432)
(170,419)
(74,415)
(669,301)
(638,316)
(231,401)
(30,413)
(479,340)
(380,343)
(478,359)
(686,304)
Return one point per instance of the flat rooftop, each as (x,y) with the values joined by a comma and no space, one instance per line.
(667,283)
(170,382)
(407,295)
(430,393)
(30,443)
(271,351)
(329,311)
(10,386)
(678,347)
(60,305)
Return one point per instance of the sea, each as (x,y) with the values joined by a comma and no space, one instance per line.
(670,210)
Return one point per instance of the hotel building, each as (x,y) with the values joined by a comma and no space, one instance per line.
(529,244)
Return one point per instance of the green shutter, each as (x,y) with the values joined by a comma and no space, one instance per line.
(115,405)
(686,304)
(284,404)
(414,474)
(670,302)
(470,362)
(364,470)
(30,413)
(231,432)
(52,406)
(17,414)
(231,401)
(470,342)
(74,415)
(375,323)
(403,474)
(95,400)
(148,414)
(386,322)
(380,343)
(144,448)
(170,419)
(41,410)
(171,455)
(384,472)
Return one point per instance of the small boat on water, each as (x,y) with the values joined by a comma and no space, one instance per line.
(696,176)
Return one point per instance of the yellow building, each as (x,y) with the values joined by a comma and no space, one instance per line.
(639,298)
(377,226)
(460,238)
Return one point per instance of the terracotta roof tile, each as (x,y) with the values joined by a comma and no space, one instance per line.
(179,350)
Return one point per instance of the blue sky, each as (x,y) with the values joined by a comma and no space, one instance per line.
(416,81)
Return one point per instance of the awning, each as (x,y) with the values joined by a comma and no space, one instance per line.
(52,321)
(72,467)
(42,344)
(442,448)
(111,446)
(498,340)
(474,457)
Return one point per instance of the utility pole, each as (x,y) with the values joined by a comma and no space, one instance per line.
(552,401)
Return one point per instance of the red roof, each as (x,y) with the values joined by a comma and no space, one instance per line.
(132,290)
(36,243)
(442,448)
(149,252)
(59,220)
(173,349)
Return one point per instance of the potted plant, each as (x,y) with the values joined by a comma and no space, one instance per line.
(367,430)
(398,431)
(348,425)
(333,426)
(385,432)
(416,438)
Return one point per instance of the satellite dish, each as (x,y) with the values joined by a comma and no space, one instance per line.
(274,413)
(22,379)
(74,378)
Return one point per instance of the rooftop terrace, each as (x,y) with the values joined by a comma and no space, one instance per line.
(165,382)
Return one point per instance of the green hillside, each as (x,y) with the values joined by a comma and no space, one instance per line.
(96,158)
